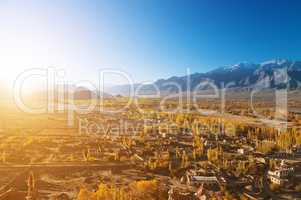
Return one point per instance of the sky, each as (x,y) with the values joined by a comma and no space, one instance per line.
(148,39)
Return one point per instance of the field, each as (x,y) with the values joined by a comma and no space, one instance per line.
(147,150)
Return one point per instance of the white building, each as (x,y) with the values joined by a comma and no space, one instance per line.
(241,151)
(280,175)
(196,180)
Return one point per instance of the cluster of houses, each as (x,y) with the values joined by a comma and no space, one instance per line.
(237,150)
(207,185)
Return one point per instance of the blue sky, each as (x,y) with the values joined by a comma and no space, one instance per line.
(149,39)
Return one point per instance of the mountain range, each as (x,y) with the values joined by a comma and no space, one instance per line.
(273,74)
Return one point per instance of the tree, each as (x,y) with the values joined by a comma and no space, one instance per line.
(212,154)
(298,188)
(145,189)
(274,187)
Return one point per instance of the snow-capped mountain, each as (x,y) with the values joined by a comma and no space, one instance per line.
(278,73)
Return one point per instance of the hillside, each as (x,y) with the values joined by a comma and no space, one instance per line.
(270,74)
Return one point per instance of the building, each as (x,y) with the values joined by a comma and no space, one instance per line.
(282,172)
(241,151)
(297,150)
(197,180)
(280,175)
(278,181)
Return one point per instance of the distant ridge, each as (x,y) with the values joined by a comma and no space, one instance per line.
(268,74)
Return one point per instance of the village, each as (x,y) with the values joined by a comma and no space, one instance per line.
(185,155)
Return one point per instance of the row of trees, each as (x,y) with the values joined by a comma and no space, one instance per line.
(145,189)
